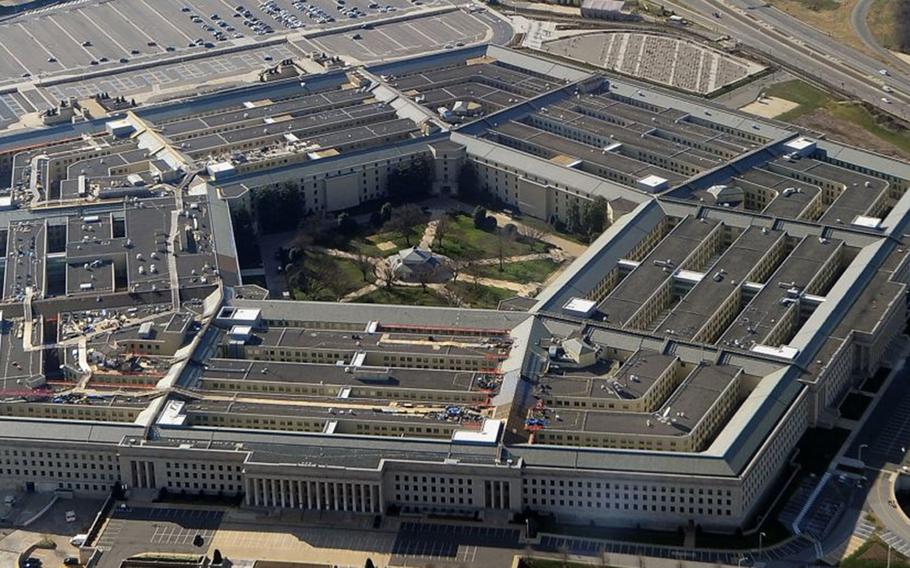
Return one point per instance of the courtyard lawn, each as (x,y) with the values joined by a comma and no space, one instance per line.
(479,296)
(339,278)
(404,295)
(522,272)
(463,241)
(370,242)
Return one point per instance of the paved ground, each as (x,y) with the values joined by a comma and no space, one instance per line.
(472,545)
(153,529)
(139,48)
(129,83)
(52,524)
(400,39)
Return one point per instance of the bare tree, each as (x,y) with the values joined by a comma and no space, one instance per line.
(314,275)
(365,265)
(442,228)
(531,233)
(405,220)
(387,275)
(424,278)
(503,239)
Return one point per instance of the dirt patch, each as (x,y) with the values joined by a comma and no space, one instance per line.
(769,107)
(829,16)
(386,246)
(848,132)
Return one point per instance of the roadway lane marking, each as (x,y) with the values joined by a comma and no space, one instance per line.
(113,7)
(168,22)
(15,58)
(69,35)
(428,38)
(100,29)
(29,34)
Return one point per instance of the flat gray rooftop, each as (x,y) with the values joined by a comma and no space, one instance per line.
(635,288)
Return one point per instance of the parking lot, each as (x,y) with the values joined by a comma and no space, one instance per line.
(188,73)
(460,544)
(405,38)
(100,35)
(142,48)
(145,529)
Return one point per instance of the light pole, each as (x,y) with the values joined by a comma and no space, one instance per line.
(761,536)
(741,560)
(888,564)
(859,454)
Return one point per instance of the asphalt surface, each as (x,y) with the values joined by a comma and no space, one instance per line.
(884,439)
(861,27)
(785,39)
(131,47)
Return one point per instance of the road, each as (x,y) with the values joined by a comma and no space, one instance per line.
(861,26)
(785,39)
(502,28)
(884,439)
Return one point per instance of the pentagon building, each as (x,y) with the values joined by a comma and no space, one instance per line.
(749,276)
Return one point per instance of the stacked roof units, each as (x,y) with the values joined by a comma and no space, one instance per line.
(749,276)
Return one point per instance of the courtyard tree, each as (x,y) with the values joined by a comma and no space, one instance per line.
(480,217)
(410,181)
(365,265)
(596,216)
(468,182)
(404,221)
(442,227)
(278,209)
(245,239)
(385,212)
(346,224)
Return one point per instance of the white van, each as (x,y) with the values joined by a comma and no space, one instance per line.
(79,539)
(71,516)
(9,500)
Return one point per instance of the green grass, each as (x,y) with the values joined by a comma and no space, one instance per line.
(365,239)
(464,241)
(346,279)
(808,98)
(521,272)
(874,554)
(479,296)
(366,242)
(542,225)
(406,295)
(860,116)
(811,99)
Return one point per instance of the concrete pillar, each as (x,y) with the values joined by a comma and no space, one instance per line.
(150,474)
(309,494)
(299,494)
(344,496)
(246,490)
(502,495)
(319,495)
(257,498)
(273,502)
